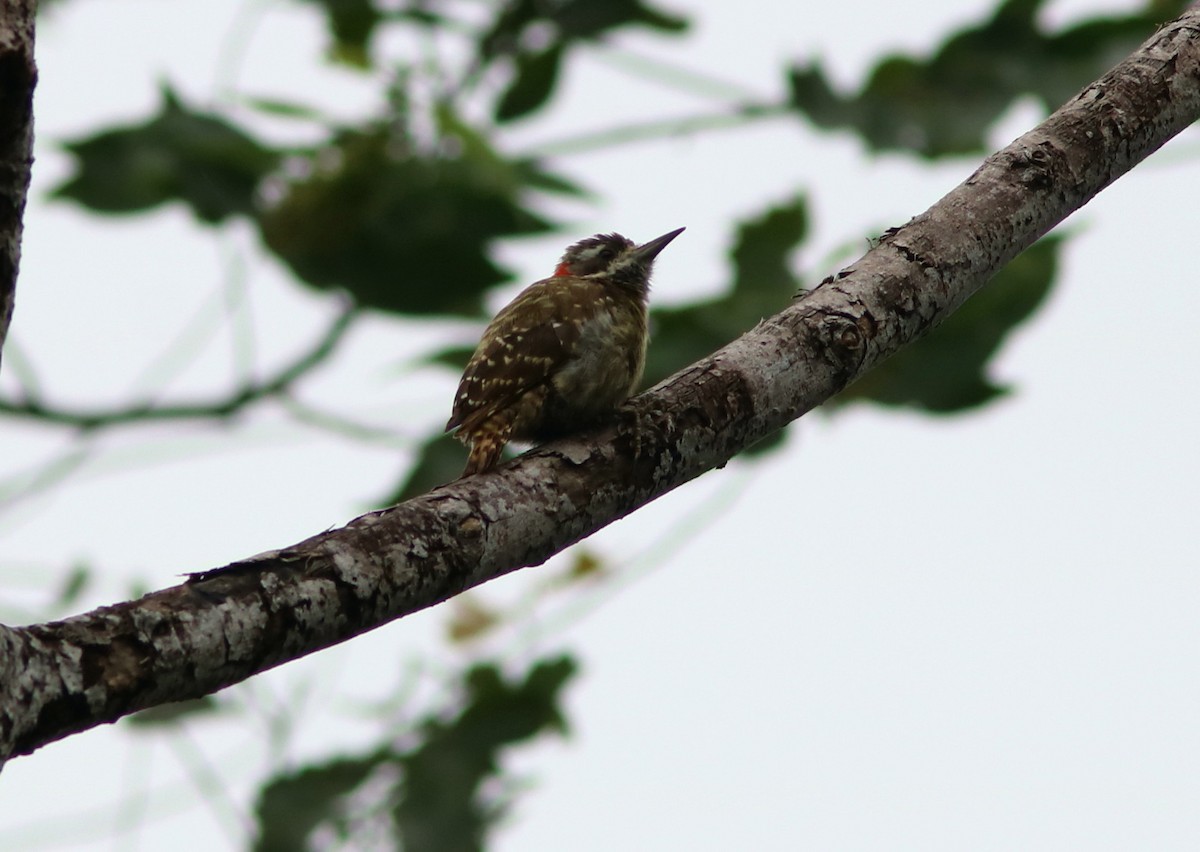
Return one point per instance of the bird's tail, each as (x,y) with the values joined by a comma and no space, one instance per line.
(487,432)
(487,442)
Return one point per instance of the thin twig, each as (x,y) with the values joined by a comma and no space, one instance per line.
(344,426)
(234,403)
(643,131)
(20,367)
(674,76)
(47,475)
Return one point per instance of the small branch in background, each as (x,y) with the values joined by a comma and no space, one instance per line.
(362,432)
(251,392)
(185,346)
(673,76)
(20,367)
(239,311)
(45,476)
(649,130)
(234,47)
(210,787)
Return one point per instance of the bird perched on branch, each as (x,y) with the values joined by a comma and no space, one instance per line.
(568,350)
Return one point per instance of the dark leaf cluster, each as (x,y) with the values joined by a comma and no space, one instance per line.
(180,154)
(400,227)
(536,35)
(402,230)
(944,104)
(429,796)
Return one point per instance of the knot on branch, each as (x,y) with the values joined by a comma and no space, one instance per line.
(1034,165)
(846,337)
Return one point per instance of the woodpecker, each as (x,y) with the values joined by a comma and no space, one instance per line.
(566,351)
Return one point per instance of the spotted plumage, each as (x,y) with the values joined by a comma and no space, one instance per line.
(566,351)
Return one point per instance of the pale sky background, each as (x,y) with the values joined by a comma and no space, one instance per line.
(899,633)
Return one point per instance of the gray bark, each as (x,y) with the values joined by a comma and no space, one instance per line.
(18,75)
(227,624)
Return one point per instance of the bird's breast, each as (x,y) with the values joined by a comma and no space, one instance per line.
(604,368)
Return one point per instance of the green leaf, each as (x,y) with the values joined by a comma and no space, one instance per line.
(169,715)
(946,371)
(403,230)
(440,460)
(946,103)
(767,445)
(532,83)
(438,800)
(351,23)
(683,335)
(454,358)
(588,19)
(73,585)
(570,20)
(291,806)
(280,108)
(179,155)
(531,173)
(763,281)
(441,807)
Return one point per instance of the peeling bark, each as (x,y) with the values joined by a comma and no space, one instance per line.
(227,624)
(18,75)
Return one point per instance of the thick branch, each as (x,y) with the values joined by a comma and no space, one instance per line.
(230,623)
(18,76)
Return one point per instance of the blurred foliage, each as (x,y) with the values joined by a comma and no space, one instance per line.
(537,34)
(529,37)
(944,104)
(534,81)
(431,794)
(440,459)
(401,227)
(441,806)
(568,21)
(170,715)
(470,619)
(351,25)
(72,586)
(945,372)
(404,230)
(178,155)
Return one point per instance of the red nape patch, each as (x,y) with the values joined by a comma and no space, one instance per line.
(561,270)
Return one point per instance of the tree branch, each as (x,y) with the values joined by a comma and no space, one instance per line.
(627,134)
(18,76)
(224,625)
(251,392)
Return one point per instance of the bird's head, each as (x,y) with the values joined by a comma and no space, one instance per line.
(616,257)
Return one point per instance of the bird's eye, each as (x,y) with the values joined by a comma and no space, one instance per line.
(607,254)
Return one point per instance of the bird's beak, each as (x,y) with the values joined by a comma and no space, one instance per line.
(646,252)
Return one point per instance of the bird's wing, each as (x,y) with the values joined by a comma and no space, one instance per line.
(520,349)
